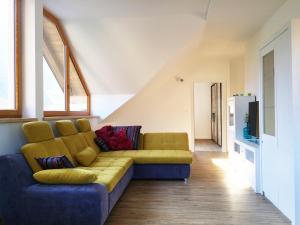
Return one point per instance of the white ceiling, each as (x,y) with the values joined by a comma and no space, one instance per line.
(231,22)
(83,9)
(121,44)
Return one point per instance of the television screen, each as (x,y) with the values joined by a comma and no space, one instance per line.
(254,119)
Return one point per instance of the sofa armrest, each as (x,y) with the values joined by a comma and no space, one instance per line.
(65,204)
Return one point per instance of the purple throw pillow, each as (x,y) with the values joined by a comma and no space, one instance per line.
(132,132)
(102,144)
(55,162)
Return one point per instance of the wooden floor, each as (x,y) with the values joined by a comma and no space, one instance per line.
(207,146)
(212,197)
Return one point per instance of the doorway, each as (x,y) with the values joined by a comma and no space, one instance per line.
(208,116)
(216,113)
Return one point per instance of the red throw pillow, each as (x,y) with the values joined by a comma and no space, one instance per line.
(115,140)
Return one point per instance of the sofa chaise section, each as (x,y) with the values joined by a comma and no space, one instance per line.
(160,155)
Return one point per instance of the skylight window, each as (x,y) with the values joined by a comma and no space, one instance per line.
(54,96)
(10,104)
(65,91)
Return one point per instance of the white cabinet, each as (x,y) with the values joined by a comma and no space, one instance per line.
(246,157)
(237,108)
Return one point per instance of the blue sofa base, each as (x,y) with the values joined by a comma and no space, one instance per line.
(120,188)
(161,171)
(24,201)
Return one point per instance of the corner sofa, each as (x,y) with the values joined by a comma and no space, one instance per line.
(24,201)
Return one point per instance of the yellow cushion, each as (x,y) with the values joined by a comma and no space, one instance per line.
(122,162)
(75,143)
(86,156)
(108,176)
(66,127)
(65,176)
(161,141)
(153,156)
(89,137)
(53,147)
(37,131)
(83,125)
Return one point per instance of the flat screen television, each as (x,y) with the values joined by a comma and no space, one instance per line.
(253,121)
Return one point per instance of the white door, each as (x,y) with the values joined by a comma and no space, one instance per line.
(268,121)
(276,110)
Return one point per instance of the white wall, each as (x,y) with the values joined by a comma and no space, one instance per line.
(296,104)
(202,110)
(291,9)
(166,105)
(285,192)
(104,105)
(237,75)
(12,137)
(32,56)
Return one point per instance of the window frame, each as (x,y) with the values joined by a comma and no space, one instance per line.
(17,112)
(68,55)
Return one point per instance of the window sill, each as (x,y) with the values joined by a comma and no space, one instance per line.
(17,120)
(69,117)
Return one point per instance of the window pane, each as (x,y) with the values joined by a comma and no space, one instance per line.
(54,68)
(7,55)
(269,94)
(54,97)
(78,96)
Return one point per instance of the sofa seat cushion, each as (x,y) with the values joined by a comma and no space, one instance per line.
(153,156)
(108,176)
(124,163)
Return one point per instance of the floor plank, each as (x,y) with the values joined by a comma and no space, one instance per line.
(207,146)
(211,197)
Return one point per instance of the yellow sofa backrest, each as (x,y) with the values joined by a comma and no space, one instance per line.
(85,130)
(42,144)
(141,142)
(166,141)
(70,136)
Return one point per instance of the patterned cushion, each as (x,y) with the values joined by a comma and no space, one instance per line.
(56,162)
(132,132)
(115,140)
(101,144)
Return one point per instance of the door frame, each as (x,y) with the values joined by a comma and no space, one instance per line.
(219,126)
(225,92)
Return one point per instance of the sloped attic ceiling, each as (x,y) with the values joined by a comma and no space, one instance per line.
(121,44)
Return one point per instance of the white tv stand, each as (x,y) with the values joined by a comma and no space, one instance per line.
(244,154)
(248,156)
